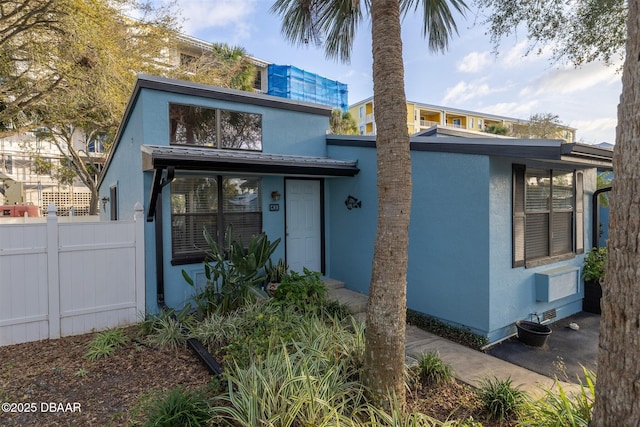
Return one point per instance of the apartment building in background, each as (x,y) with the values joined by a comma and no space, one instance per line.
(30,185)
(421,117)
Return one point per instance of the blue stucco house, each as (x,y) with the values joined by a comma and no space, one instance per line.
(498,226)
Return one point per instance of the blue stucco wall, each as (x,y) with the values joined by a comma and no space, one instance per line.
(449,233)
(513,294)
(283,132)
(460,245)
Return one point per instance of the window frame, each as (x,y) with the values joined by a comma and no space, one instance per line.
(520,213)
(220,217)
(219,113)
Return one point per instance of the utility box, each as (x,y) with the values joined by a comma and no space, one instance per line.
(557,283)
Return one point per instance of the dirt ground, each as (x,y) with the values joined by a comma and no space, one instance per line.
(58,386)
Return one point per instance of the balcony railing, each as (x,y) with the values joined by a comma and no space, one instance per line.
(428,123)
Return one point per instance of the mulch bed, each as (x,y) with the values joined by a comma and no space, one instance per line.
(55,378)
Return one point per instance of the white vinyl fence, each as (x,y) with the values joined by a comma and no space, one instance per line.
(69,276)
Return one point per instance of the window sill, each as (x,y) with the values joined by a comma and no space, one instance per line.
(549,260)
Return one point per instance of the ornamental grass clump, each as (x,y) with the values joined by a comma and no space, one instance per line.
(105,343)
(433,370)
(558,408)
(303,385)
(179,407)
(500,399)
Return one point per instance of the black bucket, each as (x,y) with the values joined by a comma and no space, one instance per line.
(532,334)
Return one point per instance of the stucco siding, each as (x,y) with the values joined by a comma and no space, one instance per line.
(513,290)
(283,131)
(449,233)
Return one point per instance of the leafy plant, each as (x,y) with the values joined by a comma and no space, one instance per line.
(559,408)
(105,343)
(81,373)
(166,330)
(275,273)
(595,264)
(432,370)
(232,273)
(260,328)
(336,309)
(290,388)
(500,399)
(179,408)
(307,292)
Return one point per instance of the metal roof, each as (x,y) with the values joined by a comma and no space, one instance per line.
(546,150)
(211,159)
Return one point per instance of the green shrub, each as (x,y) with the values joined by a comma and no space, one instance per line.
(259,328)
(217,330)
(289,389)
(432,370)
(232,273)
(557,408)
(305,291)
(500,399)
(595,264)
(333,308)
(179,408)
(105,343)
(166,331)
(275,273)
(456,334)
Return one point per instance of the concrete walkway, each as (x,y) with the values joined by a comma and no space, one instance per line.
(469,366)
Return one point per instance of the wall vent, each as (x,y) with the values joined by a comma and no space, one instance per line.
(549,314)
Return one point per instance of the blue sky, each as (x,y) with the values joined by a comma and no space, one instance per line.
(468,76)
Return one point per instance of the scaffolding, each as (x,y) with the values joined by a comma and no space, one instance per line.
(290,82)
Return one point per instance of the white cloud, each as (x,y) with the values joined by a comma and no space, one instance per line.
(570,80)
(517,56)
(464,91)
(520,110)
(474,62)
(205,14)
(596,130)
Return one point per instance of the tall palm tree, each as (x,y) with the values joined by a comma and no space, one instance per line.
(617,390)
(333,23)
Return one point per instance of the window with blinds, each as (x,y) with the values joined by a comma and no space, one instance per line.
(547,214)
(212,203)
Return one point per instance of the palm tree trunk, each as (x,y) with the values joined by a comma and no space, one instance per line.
(386,310)
(618,385)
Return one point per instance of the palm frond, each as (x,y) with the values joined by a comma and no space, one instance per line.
(438,20)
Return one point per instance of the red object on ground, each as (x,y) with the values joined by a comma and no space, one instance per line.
(19,210)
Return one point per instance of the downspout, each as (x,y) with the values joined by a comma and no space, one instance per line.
(595,217)
(197,347)
(160,241)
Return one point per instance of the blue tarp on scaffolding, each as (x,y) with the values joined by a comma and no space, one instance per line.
(290,82)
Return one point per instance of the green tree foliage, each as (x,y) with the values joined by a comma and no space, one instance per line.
(67,68)
(223,65)
(577,32)
(342,123)
(604,180)
(542,125)
(496,129)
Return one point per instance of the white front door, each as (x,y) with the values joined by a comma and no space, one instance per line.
(303,222)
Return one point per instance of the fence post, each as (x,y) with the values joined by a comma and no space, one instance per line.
(53,268)
(139,222)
